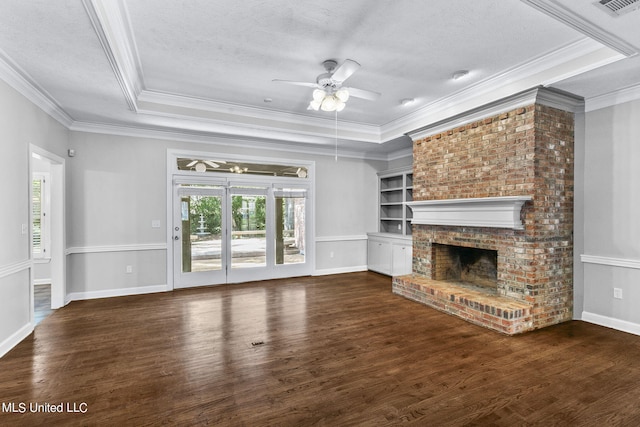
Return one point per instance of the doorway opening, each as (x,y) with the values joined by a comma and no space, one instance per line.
(47,243)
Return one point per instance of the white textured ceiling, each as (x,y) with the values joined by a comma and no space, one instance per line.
(204,68)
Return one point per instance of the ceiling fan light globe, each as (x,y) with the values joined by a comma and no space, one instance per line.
(342,95)
(318,95)
(340,106)
(314,105)
(201,167)
(329,103)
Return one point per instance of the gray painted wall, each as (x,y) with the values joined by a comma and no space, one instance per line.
(611,211)
(21,124)
(117,186)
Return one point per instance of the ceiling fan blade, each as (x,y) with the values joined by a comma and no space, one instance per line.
(344,71)
(212,164)
(192,163)
(364,94)
(290,82)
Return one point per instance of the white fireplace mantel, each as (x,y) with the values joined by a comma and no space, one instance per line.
(501,212)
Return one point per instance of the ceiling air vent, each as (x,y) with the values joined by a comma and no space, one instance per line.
(618,7)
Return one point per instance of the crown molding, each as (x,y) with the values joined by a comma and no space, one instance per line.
(571,60)
(20,80)
(540,95)
(610,99)
(400,154)
(557,11)
(111,23)
(225,140)
(223,115)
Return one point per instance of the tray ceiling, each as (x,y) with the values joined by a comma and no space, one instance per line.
(205,69)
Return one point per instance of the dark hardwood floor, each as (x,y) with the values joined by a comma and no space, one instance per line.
(328,351)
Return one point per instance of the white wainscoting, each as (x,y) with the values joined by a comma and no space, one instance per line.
(600,306)
(23,331)
(116,292)
(352,244)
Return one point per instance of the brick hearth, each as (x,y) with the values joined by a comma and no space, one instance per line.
(502,314)
(527,151)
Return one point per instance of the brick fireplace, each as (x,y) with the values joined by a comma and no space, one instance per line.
(493,188)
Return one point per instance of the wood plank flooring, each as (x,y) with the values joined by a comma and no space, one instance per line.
(335,351)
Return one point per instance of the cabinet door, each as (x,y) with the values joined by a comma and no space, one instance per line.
(401,260)
(379,256)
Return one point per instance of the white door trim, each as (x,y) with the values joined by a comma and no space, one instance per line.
(58,221)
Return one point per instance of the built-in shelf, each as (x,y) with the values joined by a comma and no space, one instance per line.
(395,190)
(501,212)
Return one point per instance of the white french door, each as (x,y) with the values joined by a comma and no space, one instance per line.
(230,232)
(199,236)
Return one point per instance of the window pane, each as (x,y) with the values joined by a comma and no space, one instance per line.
(201,232)
(290,230)
(248,238)
(240,167)
(36,204)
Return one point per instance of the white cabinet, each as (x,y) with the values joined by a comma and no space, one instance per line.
(401,258)
(389,254)
(379,255)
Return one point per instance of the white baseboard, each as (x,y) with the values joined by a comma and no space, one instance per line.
(341,270)
(610,322)
(15,339)
(108,293)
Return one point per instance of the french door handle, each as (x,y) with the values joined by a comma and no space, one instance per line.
(176,238)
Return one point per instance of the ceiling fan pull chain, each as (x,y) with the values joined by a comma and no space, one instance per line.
(336,155)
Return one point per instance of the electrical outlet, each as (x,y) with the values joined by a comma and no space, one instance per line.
(129,269)
(155,223)
(331,254)
(617,293)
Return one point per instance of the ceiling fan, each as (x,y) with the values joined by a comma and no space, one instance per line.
(201,165)
(329,94)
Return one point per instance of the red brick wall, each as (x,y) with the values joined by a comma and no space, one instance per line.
(527,151)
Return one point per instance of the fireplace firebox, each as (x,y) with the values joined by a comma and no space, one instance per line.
(471,267)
